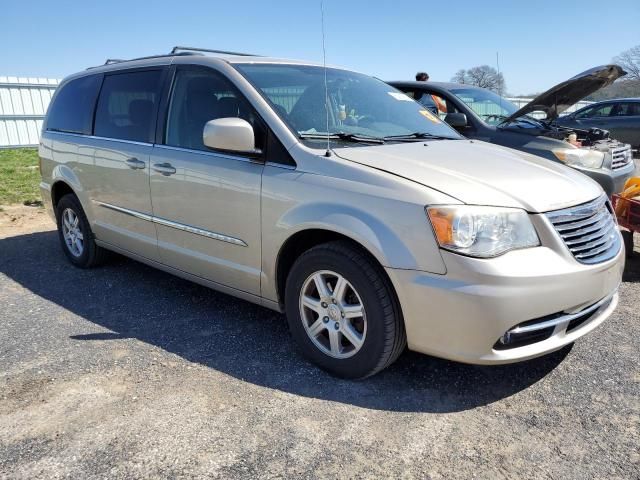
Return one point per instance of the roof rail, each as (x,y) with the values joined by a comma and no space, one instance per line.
(177,51)
(208,50)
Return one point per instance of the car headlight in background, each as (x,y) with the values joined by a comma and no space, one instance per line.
(482,232)
(579,157)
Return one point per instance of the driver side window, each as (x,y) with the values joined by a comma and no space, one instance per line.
(598,111)
(199,96)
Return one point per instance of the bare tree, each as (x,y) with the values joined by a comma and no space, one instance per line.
(630,61)
(482,76)
(460,76)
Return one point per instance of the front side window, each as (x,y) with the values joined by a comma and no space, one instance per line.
(355,104)
(603,110)
(598,111)
(127,106)
(72,109)
(201,95)
(586,113)
(492,108)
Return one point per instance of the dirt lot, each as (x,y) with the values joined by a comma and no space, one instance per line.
(125,371)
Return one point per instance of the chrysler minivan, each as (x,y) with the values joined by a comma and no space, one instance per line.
(333,197)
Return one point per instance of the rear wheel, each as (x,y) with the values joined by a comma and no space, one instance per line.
(342,312)
(75,234)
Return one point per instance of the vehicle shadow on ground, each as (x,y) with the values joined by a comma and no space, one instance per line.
(243,340)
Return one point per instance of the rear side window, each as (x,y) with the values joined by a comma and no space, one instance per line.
(127,106)
(72,109)
(626,110)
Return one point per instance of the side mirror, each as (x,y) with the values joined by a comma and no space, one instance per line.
(456,120)
(231,135)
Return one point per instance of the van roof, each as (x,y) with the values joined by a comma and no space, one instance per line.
(203,55)
(189,56)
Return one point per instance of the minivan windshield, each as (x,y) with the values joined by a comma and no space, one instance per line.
(491,107)
(361,109)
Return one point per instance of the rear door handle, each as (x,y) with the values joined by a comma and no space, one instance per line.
(135,163)
(165,169)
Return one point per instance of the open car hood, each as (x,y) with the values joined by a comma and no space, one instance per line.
(557,99)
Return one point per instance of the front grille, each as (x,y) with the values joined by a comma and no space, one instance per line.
(621,157)
(589,230)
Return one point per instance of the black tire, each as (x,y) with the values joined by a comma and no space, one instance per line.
(385,337)
(92,255)
(627,236)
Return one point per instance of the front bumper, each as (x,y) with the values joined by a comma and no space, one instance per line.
(462,315)
(611,181)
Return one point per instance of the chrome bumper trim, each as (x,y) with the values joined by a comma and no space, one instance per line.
(564,318)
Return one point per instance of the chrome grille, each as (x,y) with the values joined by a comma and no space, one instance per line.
(589,230)
(621,157)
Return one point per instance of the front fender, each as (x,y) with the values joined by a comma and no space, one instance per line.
(386,218)
(362,227)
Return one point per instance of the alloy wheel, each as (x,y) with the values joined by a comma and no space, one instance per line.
(72,233)
(333,314)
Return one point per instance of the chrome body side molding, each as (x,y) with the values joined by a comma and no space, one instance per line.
(178,226)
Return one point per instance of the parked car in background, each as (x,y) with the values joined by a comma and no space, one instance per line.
(483,115)
(621,117)
(331,196)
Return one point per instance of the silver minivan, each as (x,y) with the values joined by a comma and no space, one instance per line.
(330,196)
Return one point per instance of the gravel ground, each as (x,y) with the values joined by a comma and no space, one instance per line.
(124,371)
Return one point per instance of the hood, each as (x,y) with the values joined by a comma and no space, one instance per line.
(557,99)
(480,173)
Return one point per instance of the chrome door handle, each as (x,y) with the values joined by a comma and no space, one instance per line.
(135,163)
(165,169)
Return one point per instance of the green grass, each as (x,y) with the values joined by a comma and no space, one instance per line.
(19,177)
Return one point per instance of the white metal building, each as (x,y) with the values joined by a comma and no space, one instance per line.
(23,104)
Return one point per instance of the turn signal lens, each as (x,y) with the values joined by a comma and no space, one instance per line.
(442,224)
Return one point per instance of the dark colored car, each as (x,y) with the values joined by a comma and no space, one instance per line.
(481,114)
(620,116)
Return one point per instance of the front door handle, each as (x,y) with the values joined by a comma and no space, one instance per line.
(135,163)
(165,169)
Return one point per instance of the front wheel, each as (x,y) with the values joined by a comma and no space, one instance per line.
(342,311)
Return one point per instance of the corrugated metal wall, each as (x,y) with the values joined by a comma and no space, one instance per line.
(23,104)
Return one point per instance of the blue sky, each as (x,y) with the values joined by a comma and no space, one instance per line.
(540,42)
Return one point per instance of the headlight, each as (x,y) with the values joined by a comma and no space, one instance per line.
(482,231)
(579,157)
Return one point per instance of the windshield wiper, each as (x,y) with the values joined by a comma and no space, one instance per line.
(349,137)
(418,136)
(523,119)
